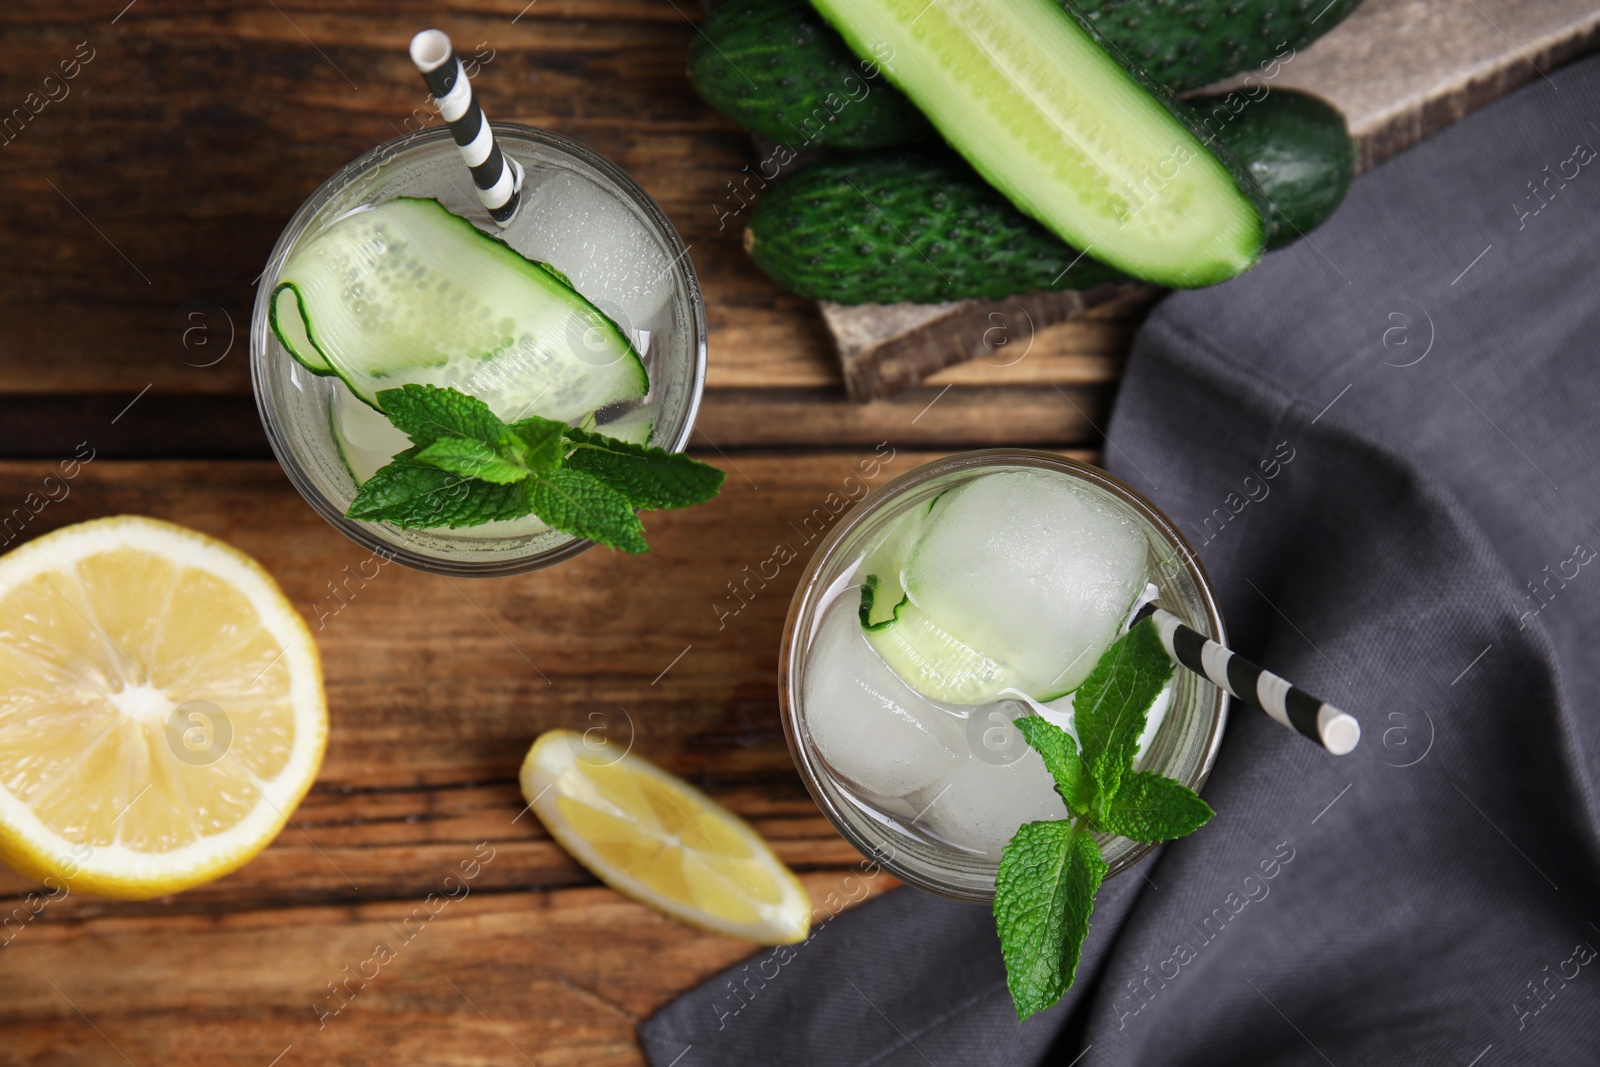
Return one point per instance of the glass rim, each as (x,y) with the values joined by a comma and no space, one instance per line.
(277,433)
(807,762)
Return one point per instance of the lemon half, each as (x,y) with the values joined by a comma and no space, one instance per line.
(659,840)
(161,708)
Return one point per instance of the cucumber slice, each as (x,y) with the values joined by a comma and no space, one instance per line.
(407,292)
(935,663)
(881,600)
(883,591)
(290,326)
(1032,568)
(1082,141)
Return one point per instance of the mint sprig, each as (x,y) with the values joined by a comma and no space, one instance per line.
(467,467)
(1050,871)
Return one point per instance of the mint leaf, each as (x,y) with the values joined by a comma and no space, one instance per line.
(468,467)
(1044,892)
(1050,871)
(428,412)
(471,459)
(1149,807)
(542,441)
(583,505)
(1055,746)
(415,495)
(1109,708)
(649,477)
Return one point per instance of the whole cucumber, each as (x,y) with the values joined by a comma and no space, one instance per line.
(919,226)
(776,68)
(1186,44)
(922,226)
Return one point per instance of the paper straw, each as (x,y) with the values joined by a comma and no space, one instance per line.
(1334,730)
(498,178)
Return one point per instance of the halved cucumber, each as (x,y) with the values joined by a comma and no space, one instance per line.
(1082,141)
(408,292)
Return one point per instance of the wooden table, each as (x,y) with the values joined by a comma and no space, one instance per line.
(139,205)
(138,210)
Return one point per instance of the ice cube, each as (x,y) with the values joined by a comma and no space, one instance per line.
(597,241)
(980,804)
(1031,569)
(366,438)
(867,724)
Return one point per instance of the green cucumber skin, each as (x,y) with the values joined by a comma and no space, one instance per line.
(923,227)
(916,226)
(1190,121)
(1297,148)
(1187,44)
(776,68)
(1210,264)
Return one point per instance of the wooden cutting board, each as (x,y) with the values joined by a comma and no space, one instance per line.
(1400,70)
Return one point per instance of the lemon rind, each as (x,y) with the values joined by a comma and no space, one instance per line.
(116,871)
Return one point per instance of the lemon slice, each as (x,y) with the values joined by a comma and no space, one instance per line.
(661,841)
(161,708)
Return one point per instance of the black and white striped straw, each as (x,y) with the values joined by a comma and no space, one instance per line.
(1334,730)
(499,179)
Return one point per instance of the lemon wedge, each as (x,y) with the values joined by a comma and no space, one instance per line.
(659,840)
(161,708)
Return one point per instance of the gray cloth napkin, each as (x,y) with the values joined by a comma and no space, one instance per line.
(1420,380)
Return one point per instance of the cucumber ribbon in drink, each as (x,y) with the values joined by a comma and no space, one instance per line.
(1008,592)
(508,393)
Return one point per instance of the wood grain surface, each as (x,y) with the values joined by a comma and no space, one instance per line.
(436,687)
(141,199)
(147,199)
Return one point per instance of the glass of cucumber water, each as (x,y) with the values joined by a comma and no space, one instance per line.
(584,309)
(953,600)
